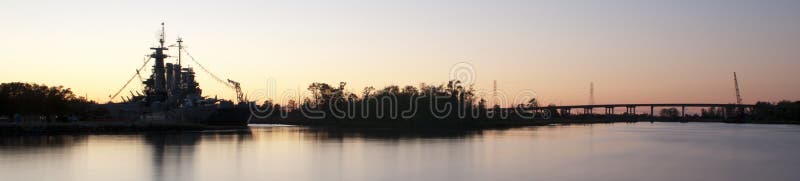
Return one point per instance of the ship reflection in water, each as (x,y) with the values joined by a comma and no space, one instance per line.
(640,151)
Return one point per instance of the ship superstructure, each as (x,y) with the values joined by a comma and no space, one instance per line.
(171,92)
(171,85)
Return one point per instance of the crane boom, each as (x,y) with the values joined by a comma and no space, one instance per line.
(736,83)
(238,88)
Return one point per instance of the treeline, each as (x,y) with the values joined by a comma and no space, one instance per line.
(450,102)
(456,102)
(783,111)
(17,98)
(780,111)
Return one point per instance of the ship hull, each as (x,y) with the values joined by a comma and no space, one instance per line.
(211,116)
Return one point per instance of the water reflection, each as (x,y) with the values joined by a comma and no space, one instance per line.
(668,151)
(23,143)
(173,154)
(332,134)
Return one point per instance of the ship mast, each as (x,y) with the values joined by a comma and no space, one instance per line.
(180,50)
(163,34)
(159,80)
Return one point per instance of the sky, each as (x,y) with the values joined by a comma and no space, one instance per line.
(634,51)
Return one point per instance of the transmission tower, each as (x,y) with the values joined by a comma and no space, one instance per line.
(494,92)
(736,83)
(591,93)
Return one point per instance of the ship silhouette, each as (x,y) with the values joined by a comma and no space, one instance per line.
(172,95)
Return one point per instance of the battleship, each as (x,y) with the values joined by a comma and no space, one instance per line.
(172,95)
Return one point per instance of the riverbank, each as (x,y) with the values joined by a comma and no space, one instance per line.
(98,127)
(104,127)
(494,124)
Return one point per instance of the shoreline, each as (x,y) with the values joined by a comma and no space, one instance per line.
(503,124)
(13,129)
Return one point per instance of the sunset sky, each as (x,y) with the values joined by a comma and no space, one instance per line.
(635,51)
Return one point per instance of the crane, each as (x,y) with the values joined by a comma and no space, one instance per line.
(736,84)
(236,86)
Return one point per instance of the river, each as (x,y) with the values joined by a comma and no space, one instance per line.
(620,151)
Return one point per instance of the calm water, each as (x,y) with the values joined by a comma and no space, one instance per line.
(641,151)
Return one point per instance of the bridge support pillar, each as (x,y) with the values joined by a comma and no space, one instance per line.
(725,113)
(683,111)
(651,112)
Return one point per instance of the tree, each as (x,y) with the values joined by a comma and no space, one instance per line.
(291,105)
(410,90)
(670,112)
(533,102)
(27,98)
(367,91)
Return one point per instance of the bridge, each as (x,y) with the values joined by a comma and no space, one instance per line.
(631,108)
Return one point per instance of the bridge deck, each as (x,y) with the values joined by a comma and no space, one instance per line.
(647,105)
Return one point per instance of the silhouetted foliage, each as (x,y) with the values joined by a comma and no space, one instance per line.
(29,99)
(533,102)
(394,104)
(712,113)
(781,111)
(397,103)
(670,112)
